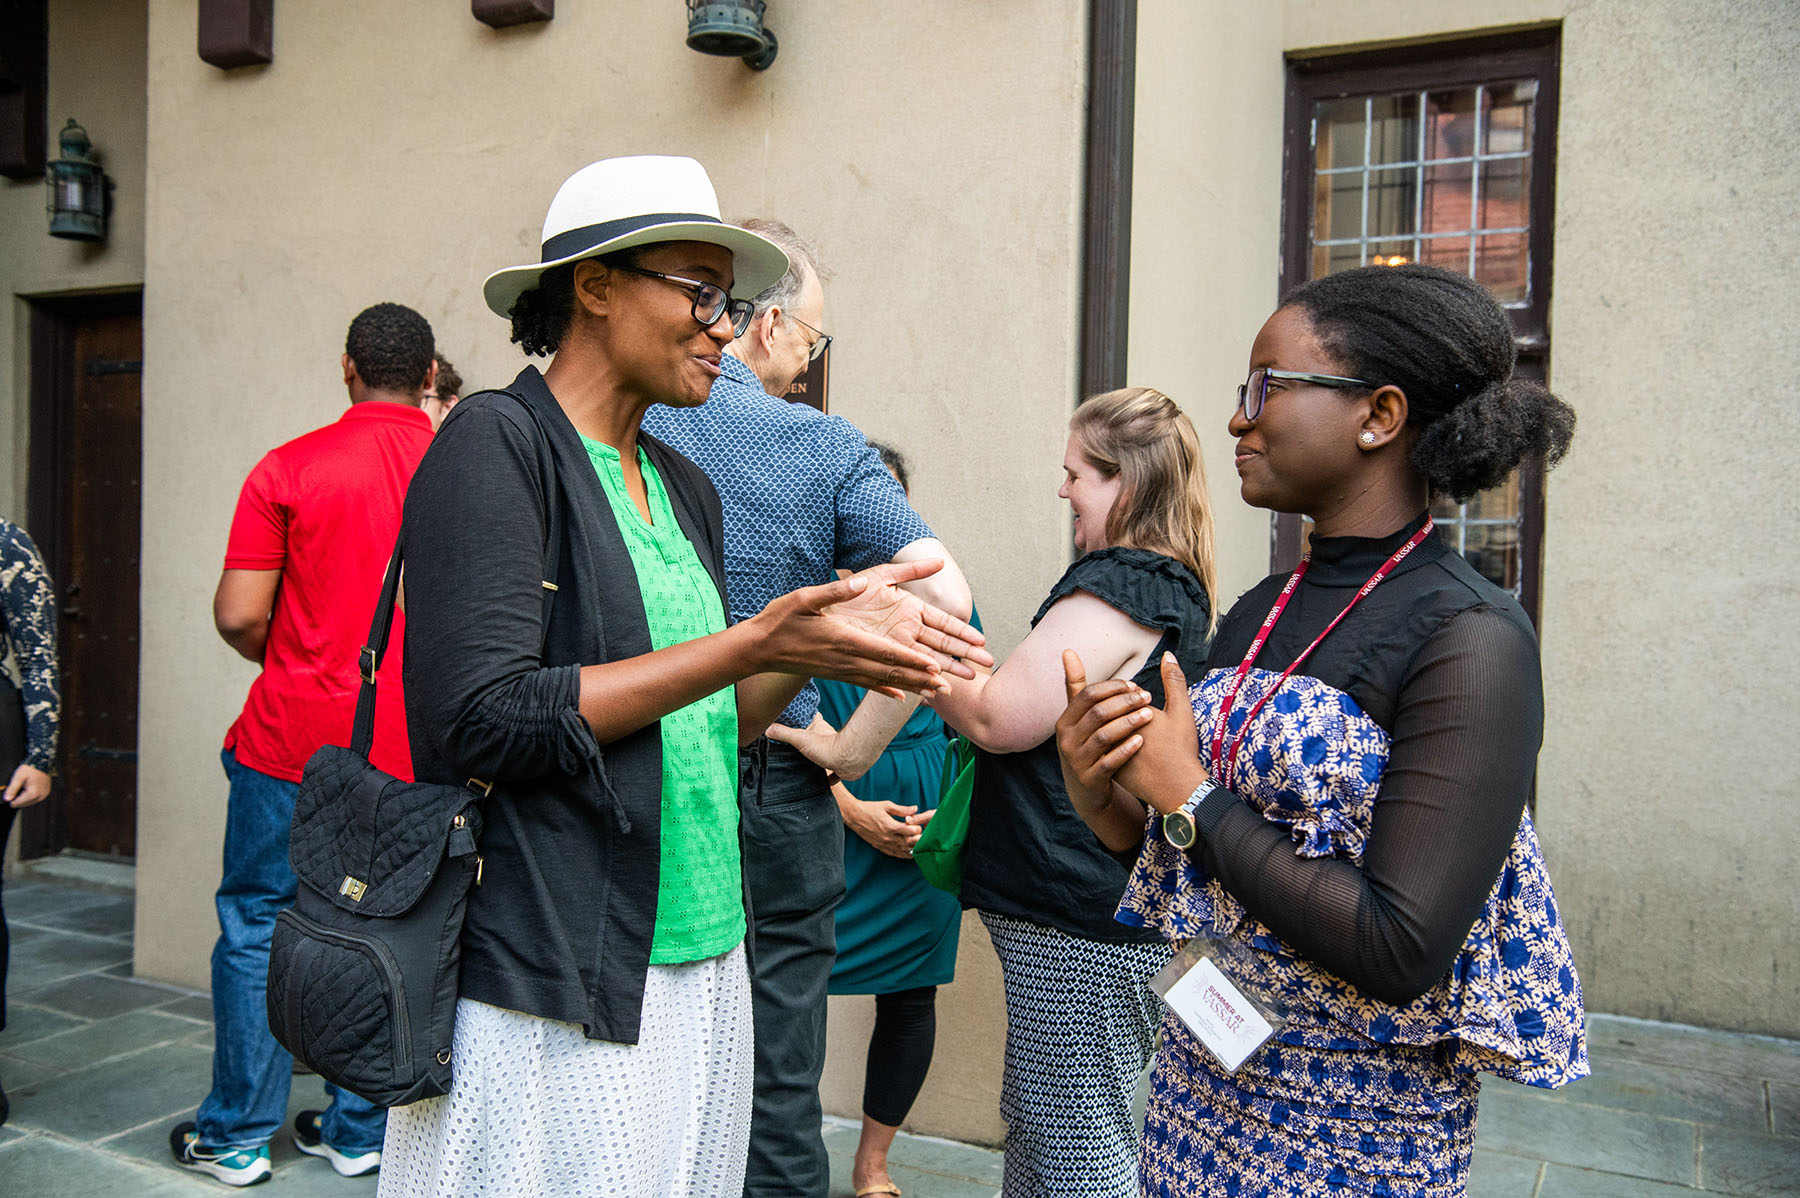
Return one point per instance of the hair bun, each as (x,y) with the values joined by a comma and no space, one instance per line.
(1483,439)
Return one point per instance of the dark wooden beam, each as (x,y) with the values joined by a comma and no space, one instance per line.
(1106,231)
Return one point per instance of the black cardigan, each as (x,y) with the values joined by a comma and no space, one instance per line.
(561,924)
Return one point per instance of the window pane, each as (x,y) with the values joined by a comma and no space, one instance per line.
(1393,202)
(1450,124)
(1486,530)
(1329,259)
(1505,188)
(1340,132)
(1395,136)
(1447,206)
(1493,549)
(1509,113)
(1451,253)
(1340,211)
(1500,262)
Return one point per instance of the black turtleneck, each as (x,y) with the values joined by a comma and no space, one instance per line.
(1447,664)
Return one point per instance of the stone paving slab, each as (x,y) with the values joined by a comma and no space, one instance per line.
(1501,1175)
(1563,1181)
(1614,1037)
(1523,1122)
(1740,1162)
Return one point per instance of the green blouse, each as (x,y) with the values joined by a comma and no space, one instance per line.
(700,896)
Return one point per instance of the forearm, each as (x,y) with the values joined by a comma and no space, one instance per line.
(867,733)
(1118,822)
(761,698)
(619,697)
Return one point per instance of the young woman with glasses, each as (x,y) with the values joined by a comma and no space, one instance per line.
(603,1031)
(1080,1016)
(1339,803)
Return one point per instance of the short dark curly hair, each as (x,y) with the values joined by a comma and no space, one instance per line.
(1443,340)
(391,347)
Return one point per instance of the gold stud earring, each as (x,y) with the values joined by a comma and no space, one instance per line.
(1367,437)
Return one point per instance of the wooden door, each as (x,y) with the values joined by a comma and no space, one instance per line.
(87,438)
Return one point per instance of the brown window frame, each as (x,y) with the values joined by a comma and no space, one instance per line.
(1313,77)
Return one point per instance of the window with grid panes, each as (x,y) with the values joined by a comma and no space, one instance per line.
(1439,154)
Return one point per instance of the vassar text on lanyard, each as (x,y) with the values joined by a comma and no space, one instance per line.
(1225,765)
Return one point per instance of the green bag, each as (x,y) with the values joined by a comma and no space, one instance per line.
(939,851)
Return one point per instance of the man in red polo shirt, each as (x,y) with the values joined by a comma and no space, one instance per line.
(314,528)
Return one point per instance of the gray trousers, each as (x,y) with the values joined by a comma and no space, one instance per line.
(794,863)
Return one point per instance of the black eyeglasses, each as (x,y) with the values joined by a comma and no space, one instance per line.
(710,300)
(821,340)
(1254,391)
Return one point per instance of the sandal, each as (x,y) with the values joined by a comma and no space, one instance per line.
(880,1187)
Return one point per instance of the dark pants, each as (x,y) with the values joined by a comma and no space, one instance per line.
(794,862)
(899,1053)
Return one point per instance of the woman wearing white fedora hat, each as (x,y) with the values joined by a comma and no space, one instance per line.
(578,656)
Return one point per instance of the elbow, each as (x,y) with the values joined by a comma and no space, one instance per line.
(850,771)
(947,590)
(1411,974)
(233,625)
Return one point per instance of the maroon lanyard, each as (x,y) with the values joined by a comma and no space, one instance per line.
(1227,765)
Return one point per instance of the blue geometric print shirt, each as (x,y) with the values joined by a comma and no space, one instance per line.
(803,495)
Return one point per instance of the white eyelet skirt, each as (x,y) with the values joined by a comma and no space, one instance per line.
(537,1110)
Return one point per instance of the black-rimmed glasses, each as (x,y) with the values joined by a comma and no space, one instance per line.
(711,301)
(1254,391)
(821,339)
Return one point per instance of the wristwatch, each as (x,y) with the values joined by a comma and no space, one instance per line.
(1179,828)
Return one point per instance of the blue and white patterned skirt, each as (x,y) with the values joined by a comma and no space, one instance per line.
(1315,1113)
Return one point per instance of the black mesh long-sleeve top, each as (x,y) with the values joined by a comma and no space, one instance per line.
(1446,664)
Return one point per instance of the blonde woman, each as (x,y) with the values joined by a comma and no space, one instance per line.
(1080,1015)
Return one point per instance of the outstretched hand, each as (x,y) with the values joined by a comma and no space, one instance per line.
(867,630)
(1111,733)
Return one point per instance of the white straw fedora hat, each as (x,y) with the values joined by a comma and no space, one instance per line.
(618,203)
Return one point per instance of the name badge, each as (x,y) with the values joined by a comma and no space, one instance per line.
(1229,1022)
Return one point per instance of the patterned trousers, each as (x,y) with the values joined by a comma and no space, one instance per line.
(1080,1024)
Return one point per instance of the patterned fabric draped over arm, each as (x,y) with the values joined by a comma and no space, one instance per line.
(28,603)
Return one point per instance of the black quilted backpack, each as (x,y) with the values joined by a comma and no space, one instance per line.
(363,968)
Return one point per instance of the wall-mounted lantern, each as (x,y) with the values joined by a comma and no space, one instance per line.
(731,31)
(80,192)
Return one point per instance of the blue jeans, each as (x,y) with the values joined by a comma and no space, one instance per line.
(251,1071)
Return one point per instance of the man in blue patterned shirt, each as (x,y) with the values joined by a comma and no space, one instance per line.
(804,495)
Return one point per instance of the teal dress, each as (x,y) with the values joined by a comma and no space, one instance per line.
(894,931)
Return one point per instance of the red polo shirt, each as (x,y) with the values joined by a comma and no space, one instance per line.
(324,510)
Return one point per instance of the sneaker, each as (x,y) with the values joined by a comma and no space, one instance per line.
(233,1166)
(307,1140)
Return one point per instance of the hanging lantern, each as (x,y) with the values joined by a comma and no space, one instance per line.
(78,189)
(731,31)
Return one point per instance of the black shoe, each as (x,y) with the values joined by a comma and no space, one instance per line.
(308,1140)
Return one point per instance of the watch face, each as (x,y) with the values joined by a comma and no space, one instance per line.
(1179,830)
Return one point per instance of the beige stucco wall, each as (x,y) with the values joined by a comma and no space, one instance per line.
(97,77)
(1666,784)
(401,151)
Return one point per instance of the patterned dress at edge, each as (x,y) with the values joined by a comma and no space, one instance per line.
(30,696)
(1354,1095)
